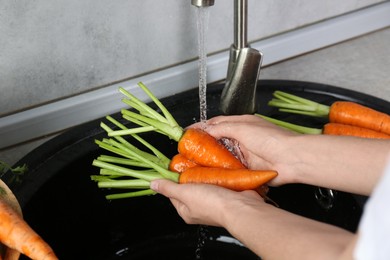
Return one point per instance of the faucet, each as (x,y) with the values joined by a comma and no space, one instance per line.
(202,3)
(239,94)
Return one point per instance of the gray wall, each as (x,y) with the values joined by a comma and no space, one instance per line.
(55,49)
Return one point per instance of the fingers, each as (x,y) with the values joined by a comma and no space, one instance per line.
(236,119)
(164,187)
(234,127)
(170,190)
(226,120)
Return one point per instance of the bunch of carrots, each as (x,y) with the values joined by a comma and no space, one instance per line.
(345,117)
(200,158)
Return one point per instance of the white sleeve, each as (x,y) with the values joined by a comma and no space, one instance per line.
(374,227)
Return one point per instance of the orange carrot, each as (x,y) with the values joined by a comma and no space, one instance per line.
(200,147)
(343,112)
(7,196)
(17,234)
(350,113)
(350,130)
(330,129)
(179,163)
(234,179)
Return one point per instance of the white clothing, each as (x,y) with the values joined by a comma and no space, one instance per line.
(374,228)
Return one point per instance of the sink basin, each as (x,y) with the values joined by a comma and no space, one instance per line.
(66,208)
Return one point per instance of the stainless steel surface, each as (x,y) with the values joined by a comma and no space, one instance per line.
(200,3)
(239,93)
(238,96)
(240,23)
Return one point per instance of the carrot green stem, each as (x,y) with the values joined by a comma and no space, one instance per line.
(153,149)
(148,118)
(140,105)
(110,173)
(98,178)
(131,194)
(293,127)
(135,168)
(105,145)
(124,184)
(164,110)
(172,131)
(121,139)
(165,160)
(293,104)
(131,131)
(118,160)
(158,158)
(126,171)
(163,171)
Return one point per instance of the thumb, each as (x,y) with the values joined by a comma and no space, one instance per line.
(164,187)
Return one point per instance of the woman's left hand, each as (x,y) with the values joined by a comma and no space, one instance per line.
(204,204)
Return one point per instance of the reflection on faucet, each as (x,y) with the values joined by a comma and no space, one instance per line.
(239,94)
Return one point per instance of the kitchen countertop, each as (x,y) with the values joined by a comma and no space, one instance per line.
(360,64)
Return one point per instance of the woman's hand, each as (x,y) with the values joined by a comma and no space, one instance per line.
(204,204)
(261,227)
(262,144)
(343,163)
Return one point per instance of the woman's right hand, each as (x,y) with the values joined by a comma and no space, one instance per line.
(262,144)
(343,163)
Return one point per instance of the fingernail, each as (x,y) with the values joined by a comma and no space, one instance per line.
(154,185)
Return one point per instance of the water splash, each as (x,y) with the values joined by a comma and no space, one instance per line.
(203,235)
(202,24)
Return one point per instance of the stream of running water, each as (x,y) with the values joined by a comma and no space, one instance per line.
(202,19)
(202,25)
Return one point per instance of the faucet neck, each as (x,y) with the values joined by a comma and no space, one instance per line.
(239,95)
(240,23)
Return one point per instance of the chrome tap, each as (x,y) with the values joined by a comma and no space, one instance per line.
(239,93)
(201,3)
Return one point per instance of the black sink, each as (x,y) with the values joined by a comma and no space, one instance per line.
(66,208)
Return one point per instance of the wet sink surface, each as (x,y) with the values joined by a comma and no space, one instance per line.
(63,205)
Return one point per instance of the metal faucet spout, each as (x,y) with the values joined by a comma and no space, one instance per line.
(239,93)
(201,3)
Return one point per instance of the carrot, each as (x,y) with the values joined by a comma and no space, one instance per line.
(330,129)
(8,197)
(350,130)
(114,176)
(179,163)
(17,234)
(205,150)
(343,112)
(195,144)
(351,113)
(234,179)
